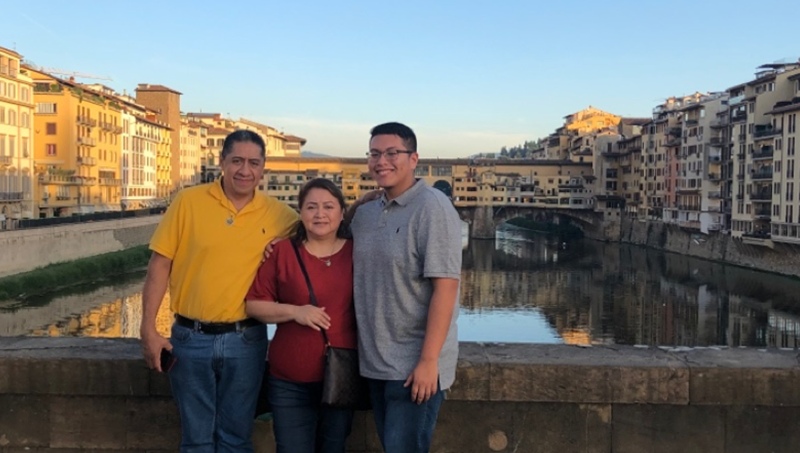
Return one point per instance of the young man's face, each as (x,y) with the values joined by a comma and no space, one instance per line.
(242,169)
(395,175)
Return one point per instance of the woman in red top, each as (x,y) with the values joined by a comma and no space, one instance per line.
(280,295)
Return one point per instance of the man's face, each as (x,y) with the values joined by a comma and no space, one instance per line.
(242,169)
(395,175)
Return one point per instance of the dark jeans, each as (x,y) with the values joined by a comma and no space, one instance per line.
(403,425)
(301,424)
(213,382)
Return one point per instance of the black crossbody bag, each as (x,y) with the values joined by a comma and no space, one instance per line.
(342,384)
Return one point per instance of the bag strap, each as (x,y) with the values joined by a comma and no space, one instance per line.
(310,288)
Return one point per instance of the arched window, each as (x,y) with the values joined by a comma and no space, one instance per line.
(26,184)
(12,117)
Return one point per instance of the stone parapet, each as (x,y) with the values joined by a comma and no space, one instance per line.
(28,249)
(82,394)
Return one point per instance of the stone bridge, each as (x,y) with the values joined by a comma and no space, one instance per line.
(484,220)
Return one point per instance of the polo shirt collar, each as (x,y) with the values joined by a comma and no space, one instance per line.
(406,196)
(215,190)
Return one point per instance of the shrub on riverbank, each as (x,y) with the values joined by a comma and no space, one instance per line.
(62,275)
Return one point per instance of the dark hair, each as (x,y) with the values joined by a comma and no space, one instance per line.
(300,233)
(398,129)
(242,136)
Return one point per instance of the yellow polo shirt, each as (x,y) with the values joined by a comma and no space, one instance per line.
(216,251)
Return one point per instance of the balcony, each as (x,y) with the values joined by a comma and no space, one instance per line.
(766,131)
(738,116)
(766,152)
(676,131)
(740,176)
(719,124)
(689,224)
(714,160)
(5,161)
(740,156)
(762,238)
(714,195)
(87,161)
(690,123)
(58,180)
(110,182)
(688,207)
(761,174)
(716,141)
(86,121)
(762,214)
(673,142)
(86,180)
(761,195)
(714,177)
(87,141)
(714,227)
(11,196)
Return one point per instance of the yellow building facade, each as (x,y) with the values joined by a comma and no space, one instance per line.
(16,140)
(77,148)
(564,185)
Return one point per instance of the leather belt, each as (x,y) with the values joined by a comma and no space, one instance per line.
(216,328)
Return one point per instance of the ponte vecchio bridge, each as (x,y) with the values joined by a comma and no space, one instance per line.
(486,192)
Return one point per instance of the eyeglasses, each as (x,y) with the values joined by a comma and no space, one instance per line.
(390,154)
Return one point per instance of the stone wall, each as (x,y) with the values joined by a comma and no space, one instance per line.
(65,395)
(25,250)
(783,259)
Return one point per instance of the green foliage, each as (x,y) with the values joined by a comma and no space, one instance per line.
(62,275)
(523,151)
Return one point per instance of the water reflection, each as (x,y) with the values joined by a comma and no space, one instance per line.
(525,287)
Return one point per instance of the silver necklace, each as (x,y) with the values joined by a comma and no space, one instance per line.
(327,260)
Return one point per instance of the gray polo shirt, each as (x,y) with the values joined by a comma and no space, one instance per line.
(399,246)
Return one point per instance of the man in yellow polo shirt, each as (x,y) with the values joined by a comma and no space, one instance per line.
(207,248)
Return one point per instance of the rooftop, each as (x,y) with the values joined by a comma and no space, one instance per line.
(151,87)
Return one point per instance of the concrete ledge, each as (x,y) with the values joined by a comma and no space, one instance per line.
(81,394)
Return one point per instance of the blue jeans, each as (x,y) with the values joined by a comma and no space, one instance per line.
(403,425)
(301,424)
(215,382)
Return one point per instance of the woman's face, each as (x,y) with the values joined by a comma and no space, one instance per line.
(321,214)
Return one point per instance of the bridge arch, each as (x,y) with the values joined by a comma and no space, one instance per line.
(445,187)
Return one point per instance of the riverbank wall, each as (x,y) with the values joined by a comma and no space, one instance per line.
(96,395)
(28,249)
(782,259)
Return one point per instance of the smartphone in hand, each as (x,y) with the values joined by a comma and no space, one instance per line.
(167,360)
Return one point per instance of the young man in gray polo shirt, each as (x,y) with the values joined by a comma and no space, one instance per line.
(407,259)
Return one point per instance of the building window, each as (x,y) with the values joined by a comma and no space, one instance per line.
(46,107)
(51,149)
(50,128)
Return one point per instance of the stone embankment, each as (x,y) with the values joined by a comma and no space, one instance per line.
(25,250)
(78,394)
(782,259)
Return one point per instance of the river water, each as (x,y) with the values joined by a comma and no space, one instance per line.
(523,287)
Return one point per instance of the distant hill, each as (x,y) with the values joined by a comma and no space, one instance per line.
(312,154)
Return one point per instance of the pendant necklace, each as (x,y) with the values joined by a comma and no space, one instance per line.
(326,261)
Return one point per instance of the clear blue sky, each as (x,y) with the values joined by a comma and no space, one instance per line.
(468,76)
